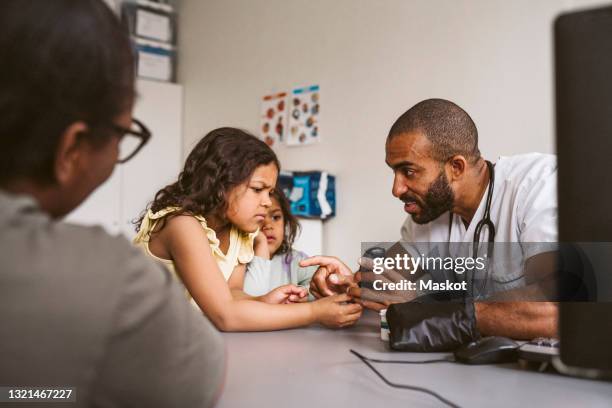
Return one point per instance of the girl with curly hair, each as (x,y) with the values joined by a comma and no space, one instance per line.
(203,227)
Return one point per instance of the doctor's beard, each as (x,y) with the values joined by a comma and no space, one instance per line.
(438,200)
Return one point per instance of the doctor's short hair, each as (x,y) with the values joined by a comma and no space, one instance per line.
(449,128)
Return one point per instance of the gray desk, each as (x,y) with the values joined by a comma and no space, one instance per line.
(312,367)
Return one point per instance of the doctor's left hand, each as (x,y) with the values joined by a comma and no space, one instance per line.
(377,299)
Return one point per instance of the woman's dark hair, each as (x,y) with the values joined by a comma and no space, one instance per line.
(292,226)
(62,61)
(223,159)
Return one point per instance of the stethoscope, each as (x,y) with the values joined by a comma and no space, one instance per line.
(486,218)
(484,222)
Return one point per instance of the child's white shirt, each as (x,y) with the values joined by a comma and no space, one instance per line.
(263,275)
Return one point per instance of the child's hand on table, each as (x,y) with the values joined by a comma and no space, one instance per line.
(286,294)
(335,311)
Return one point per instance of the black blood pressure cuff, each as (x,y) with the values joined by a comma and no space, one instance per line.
(426,324)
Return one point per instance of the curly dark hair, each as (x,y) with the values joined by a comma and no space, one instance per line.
(223,159)
(292,226)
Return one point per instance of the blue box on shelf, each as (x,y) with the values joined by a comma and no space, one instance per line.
(312,193)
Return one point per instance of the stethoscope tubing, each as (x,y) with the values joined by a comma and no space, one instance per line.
(484,222)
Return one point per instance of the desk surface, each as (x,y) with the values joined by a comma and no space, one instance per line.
(312,367)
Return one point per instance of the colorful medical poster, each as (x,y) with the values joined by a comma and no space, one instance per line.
(273,118)
(303,116)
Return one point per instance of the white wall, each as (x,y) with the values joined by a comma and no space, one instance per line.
(374,59)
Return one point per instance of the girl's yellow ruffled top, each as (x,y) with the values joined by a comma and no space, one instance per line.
(240,248)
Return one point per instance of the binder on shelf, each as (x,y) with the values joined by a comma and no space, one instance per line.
(150,20)
(155,60)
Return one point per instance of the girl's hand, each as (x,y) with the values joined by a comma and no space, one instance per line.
(260,246)
(334,311)
(286,294)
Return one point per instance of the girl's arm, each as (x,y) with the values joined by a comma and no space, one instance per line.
(187,244)
(260,246)
(236,284)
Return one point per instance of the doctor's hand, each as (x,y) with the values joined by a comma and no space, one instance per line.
(378,299)
(331,278)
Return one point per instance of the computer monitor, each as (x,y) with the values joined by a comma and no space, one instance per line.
(583,82)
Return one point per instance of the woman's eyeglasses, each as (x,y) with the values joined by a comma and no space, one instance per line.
(132,139)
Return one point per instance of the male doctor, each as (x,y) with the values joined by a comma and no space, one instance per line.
(443,183)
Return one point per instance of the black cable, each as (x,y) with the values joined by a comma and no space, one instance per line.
(366,361)
(438,360)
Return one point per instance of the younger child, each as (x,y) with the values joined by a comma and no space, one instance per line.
(275,262)
(203,226)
